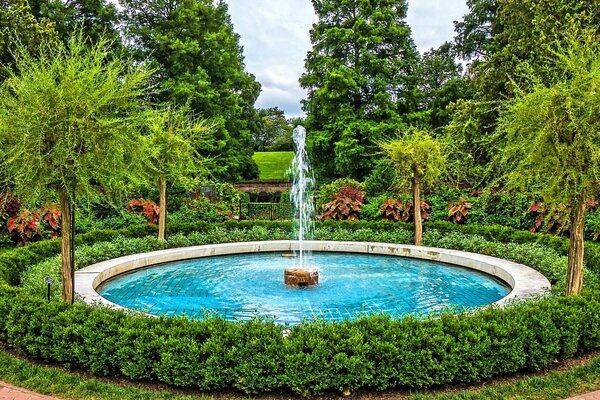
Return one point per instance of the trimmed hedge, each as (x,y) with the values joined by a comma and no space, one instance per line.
(14,262)
(371,352)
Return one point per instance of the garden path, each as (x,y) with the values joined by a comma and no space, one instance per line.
(10,392)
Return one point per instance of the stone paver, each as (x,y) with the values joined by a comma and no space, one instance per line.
(10,392)
(587,396)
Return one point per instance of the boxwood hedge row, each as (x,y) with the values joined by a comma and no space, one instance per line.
(370,352)
(315,357)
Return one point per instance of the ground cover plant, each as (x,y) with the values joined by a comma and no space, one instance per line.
(317,357)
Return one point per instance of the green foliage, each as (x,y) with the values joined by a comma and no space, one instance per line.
(552,132)
(381,181)
(371,351)
(202,66)
(68,120)
(97,19)
(273,165)
(440,84)
(172,134)
(360,81)
(417,156)
(274,132)
(197,210)
(19,27)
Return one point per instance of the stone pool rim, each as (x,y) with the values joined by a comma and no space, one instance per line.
(524,281)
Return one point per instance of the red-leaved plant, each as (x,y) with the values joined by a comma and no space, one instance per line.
(24,227)
(346,205)
(147,208)
(9,207)
(550,220)
(458,210)
(27,226)
(51,214)
(395,211)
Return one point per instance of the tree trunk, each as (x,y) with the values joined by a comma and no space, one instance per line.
(162,215)
(67,211)
(416,187)
(576,244)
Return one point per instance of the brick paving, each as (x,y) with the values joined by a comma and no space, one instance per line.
(10,392)
(587,396)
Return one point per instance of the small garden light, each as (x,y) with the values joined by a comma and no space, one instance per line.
(49,281)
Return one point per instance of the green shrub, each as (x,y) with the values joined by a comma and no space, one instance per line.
(369,352)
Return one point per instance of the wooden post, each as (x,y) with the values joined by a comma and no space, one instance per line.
(67,211)
(576,247)
(162,215)
(416,187)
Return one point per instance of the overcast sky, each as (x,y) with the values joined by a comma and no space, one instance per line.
(275,37)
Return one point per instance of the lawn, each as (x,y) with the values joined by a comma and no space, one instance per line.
(273,164)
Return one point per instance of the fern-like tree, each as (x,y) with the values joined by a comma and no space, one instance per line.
(69,121)
(419,159)
(173,137)
(552,135)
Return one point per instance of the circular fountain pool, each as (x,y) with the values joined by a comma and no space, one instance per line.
(240,286)
(366,278)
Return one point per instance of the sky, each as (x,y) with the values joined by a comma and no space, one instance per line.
(275,37)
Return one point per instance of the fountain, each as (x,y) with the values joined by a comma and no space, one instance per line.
(304,211)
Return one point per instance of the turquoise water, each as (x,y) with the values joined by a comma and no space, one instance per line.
(246,285)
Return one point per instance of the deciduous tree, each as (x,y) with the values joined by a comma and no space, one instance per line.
(553,137)
(419,159)
(18,27)
(95,18)
(69,122)
(199,61)
(173,132)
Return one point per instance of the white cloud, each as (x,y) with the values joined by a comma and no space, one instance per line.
(275,37)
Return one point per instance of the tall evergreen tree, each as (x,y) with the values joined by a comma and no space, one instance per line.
(199,61)
(360,77)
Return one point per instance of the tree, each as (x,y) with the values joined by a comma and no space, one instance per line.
(274,131)
(441,83)
(19,27)
(172,135)
(419,159)
(500,38)
(552,135)
(360,77)
(95,18)
(198,61)
(68,123)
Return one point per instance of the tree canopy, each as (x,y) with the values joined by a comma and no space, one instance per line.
(198,61)
(360,77)
(95,18)
(552,135)
(18,27)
